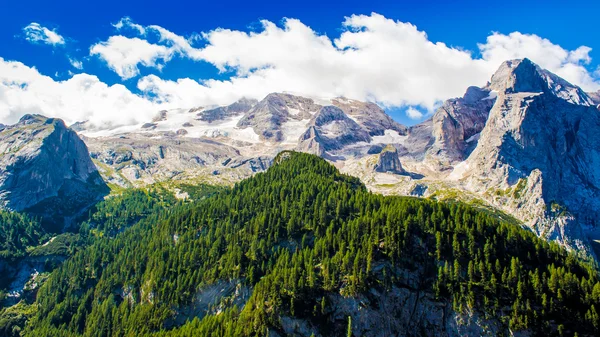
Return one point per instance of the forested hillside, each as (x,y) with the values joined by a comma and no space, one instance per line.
(296,244)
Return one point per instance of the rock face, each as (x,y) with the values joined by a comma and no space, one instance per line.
(457,124)
(143,159)
(331,129)
(42,160)
(389,161)
(268,117)
(542,143)
(161,116)
(369,116)
(595,97)
(220,113)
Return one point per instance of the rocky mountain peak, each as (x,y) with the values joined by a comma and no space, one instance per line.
(268,116)
(331,129)
(238,107)
(456,126)
(42,159)
(369,115)
(522,75)
(540,140)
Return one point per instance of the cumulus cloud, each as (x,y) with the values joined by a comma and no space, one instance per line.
(374,58)
(36,33)
(413,113)
(123,55)
(24,90)
(569,64)
(76,63)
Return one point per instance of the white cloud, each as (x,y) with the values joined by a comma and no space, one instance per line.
(76,63)
(36,33)
(24,90)
(123,55)
(569,64)
(413,113)
(374,58)
(126,22)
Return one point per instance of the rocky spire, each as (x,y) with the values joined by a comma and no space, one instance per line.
(389,161)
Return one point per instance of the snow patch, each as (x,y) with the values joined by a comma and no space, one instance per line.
(389,137)
(492,95)
(474,137)
(459,171)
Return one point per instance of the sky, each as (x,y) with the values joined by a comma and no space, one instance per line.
(116,63)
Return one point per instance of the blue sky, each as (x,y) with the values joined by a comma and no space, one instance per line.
(460,26)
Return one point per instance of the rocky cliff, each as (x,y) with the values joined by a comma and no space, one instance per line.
(389,161)
(457,124)
(539,154)
(42,162)
(331,129)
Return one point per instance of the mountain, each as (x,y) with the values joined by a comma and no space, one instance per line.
(541,143)
(275,112)
(595,97)
(492,146)
(45,168)
(309,251)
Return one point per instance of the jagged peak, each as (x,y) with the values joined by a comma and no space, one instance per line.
(523,75)
(329,113)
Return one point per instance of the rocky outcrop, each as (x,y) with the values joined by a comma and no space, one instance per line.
(42,160)
(161,116)
(389,161)
(269,115)
(221,113)
(456,126)
(331,129)
(369,116)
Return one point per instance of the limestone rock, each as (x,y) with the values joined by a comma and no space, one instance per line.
(389,161)
(268,117)
(42,160)
(331,129)
(220,113)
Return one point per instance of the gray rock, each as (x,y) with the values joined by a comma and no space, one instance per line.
(455,126)
(389,161)
(369,116)
(542,143)
(160,116)
(331,129)
(42,160)
(221,113)
(269,115)
(149,126)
